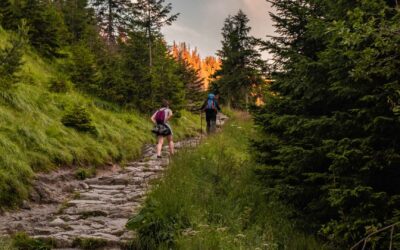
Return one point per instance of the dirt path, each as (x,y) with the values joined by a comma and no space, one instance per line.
(65,210)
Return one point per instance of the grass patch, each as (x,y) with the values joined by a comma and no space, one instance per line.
(84,173)
(90,243)
(6,244)
(23,241)
(211,199)
(33,137)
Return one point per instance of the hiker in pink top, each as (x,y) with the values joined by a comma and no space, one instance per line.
(160,118)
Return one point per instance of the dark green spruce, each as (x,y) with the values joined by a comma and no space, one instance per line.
(150,16)
(113,16)
(241,62)
(194,90)
(331,149)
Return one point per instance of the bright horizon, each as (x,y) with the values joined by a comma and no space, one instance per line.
(200,22)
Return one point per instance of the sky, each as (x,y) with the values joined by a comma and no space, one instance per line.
(200,22)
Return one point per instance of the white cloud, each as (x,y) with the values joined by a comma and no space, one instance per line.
(181,30)
(201,21)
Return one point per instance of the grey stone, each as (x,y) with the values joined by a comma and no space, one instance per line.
(57,222)
(77,202)
(108,187)
(89,196)
(100,209)
(83,185)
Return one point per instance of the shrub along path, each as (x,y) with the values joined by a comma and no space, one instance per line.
(95,211)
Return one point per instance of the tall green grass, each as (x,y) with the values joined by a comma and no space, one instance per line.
(32,137)
(6,244)
(210,199)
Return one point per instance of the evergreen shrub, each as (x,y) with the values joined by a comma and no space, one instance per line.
(59,85)
(79,118)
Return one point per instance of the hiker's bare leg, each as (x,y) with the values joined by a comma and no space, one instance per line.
(159,145)
(171,144)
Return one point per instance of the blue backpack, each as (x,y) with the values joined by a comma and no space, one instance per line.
(211,102)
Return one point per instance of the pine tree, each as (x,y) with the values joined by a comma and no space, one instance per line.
(78,17)
(166,80)
(331,146)
(150,16)
(205,68)
(113,16)
(194,84)
(83,69)
(11,14)
(46,26)
(210,66)
(11,59)
(143,87)
(240,61)
(7,17)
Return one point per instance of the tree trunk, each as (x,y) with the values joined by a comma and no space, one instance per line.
(149,31)
(110,24)
(247,101)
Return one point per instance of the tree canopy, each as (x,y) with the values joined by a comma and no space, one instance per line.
(241,64)
(331,121)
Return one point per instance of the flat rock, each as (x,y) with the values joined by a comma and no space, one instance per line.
(57,222)
(77,202)
(108,187)
(64,209)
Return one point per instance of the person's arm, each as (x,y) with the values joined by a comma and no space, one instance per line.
(153,118)
(217,106)
(169,116)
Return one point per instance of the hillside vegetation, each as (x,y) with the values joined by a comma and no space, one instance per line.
(331,122)
(33,137)
(210,198)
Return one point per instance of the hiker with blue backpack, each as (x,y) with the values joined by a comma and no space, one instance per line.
(162,129)
(211,108)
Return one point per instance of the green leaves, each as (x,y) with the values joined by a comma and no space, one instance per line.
(79,119)
(241,69)
(11,58)
(335,124)
(46,27)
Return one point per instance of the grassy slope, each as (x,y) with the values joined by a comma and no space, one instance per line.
(6,244)
(210,199)
(32,138)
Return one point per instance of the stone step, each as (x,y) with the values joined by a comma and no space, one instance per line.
(108,187)
(132,169)
(88,202)
(100,207)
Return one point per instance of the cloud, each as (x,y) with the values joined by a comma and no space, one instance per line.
(180,30)
(258,12)
(201,21)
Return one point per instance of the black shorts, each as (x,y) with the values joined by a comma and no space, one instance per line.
(165,131)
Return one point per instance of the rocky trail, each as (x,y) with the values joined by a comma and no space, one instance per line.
(69,211)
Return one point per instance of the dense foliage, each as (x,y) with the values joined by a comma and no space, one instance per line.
(113,17)
(210,198)
(332,149)
(79,118)
(11,59)
(191,77)
(57,57)
(114,49)
(241,68)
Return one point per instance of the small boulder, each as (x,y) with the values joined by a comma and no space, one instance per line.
(57,222)
(26,205)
